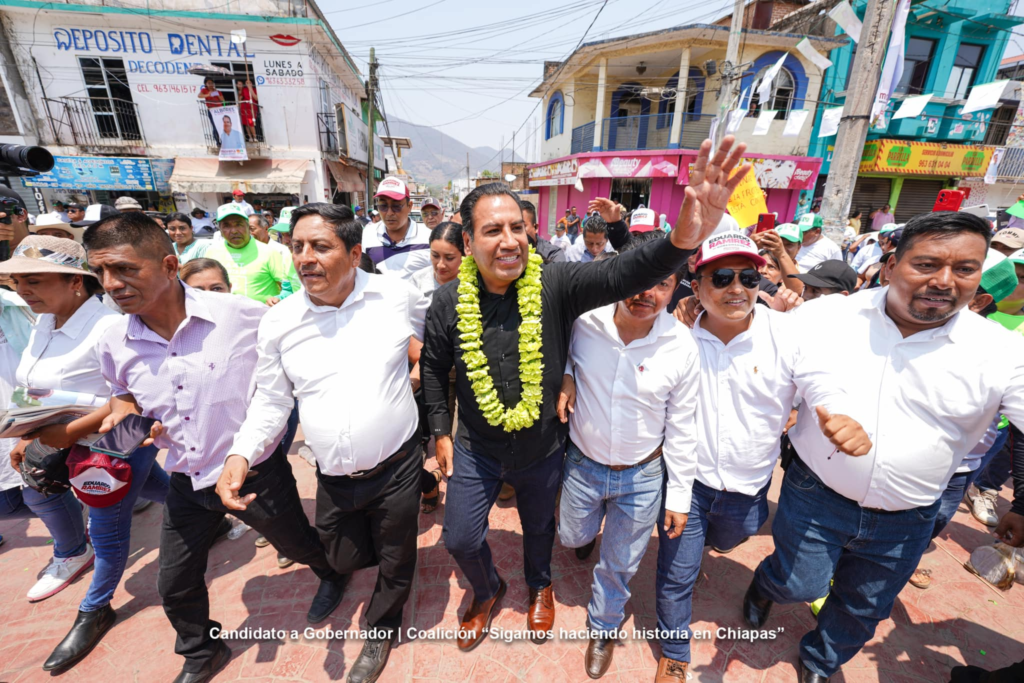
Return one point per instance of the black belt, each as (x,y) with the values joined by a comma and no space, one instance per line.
(797,458)
(619,468)
(405,449)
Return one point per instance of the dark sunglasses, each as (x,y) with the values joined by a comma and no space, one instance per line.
(390,208)
(723,277)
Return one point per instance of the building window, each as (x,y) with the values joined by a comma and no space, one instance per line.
(110,98)
(231,88)
(556,116)
(917,59)
(782,93)
(965,67)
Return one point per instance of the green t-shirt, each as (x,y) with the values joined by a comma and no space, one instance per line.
(256,270)
(1014,323)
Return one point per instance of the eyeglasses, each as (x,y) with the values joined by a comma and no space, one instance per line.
(430,214)
(392,208)
(723,277)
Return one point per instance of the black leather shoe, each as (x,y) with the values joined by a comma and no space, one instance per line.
(327,598)
(87,630)
(210,668)
(808,676)
(371,661)
(583,552)
(756,607)
(599,656)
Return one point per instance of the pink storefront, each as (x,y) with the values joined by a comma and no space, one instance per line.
(655,179)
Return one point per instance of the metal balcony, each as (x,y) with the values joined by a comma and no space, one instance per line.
(627,133)
(96,124)
(255,145)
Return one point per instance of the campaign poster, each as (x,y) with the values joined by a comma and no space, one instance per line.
(228,125)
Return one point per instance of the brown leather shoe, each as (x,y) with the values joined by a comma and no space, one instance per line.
(540,619)
(477,619)
(671,671)
(599,656)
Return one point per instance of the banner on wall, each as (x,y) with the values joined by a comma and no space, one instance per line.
(657,166)
(786,173)
(924,158)
(96,173)
(560,173)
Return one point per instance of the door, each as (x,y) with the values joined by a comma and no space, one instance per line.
(631,192)
(917,196)
(870,194)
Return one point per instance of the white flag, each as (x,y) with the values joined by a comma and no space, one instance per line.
(985,96)
(795,122)
(992,173)
(734,121)
(764,88)
(892,70)
(830,122)
(819,60)
(847,19)
(911,107)
(238,36)
(764,121)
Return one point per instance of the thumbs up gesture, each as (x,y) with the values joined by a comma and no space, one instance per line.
(844,432)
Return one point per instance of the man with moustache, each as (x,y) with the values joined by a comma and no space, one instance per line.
(256,270)
(546,250)
(367,443)
(397,244)
(432,213)
(505,328)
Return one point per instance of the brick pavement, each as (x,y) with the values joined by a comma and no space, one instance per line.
(959,619)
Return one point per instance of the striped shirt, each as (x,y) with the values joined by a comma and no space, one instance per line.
(198,384)
(397,258)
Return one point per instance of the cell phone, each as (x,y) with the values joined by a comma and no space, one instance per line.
(949,200)
(122,440)
(765,222)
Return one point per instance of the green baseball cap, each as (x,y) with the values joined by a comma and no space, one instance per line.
(810,221)
(789,231)
(998,274)
(225,210)
(888,227)
(284,220)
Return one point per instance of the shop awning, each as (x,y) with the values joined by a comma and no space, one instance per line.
(259,176)
(348,178)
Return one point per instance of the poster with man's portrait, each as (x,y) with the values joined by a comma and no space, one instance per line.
(229,129)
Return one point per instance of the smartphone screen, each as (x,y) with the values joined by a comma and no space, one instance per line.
(122,440)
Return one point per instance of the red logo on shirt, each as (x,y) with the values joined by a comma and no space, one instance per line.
(285,39)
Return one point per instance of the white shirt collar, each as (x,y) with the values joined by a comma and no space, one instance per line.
(663,325)
(385,238)
(874,303)
(79,319)
(760,319)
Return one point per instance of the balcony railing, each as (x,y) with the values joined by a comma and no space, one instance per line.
(328,128)
(625,133)
(1011,166)
(96,123)
(255,142)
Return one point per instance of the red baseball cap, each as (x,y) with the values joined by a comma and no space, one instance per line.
(643,220)
(237,193)
(728,244)
(99,480)
(392,188)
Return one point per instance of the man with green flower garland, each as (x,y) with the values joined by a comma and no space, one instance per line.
(505,326)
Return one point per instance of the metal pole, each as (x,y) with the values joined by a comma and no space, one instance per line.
(727,90)
(853,127)
(371,95)
(468,188)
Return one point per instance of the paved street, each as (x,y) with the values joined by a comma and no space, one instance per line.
(958,619)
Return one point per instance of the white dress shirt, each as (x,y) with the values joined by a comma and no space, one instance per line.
(349,369)
(746,394)
(866,256)
(632,398)
(67,359)
(812,254)
(562,242)
(578,250)
(925,401)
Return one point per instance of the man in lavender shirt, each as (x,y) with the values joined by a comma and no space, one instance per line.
(187,358)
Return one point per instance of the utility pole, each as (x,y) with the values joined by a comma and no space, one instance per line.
(730,75)
(371,93)
(468,188)
(513,147)
(853,127)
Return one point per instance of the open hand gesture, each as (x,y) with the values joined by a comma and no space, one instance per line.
(708,193)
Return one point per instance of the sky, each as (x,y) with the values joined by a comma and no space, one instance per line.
(467,67)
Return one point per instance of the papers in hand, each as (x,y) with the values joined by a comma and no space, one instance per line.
(31,409)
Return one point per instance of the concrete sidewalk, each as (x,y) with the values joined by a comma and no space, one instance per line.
(960,619)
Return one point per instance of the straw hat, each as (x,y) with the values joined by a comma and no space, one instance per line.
(45,254)
(53,220)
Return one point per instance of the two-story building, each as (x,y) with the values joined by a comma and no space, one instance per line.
(623,118)
(951,46)
(112,90)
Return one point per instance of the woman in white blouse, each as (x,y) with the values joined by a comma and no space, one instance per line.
(52,277)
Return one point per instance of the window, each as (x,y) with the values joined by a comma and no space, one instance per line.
(232,92)
(916,60)
(965,66)
(555,116)
(782,93)
(110,98)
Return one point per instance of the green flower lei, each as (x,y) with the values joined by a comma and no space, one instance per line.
(530,366)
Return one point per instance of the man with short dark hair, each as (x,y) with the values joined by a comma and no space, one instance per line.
(546,250)
(919,374)
(573,223)
(595,240)
(828,277)
(186,358)
(397,245)
(257,270)
(508,427)
(367,444)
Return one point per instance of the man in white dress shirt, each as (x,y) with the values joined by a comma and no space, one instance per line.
(749,378)
(593,241)
(919,374)
(636,371)
(816,247)
(359,419)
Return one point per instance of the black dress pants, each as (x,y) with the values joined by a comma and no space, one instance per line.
(189,529)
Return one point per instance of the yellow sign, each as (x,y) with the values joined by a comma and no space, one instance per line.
(747,201)
(924,158)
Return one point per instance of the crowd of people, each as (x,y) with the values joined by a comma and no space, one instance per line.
(632,378)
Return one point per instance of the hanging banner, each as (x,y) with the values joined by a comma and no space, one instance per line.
(924,158)
(747,202)
(764,121)
(656,166)
(912,107)
(735,119)
(992,173)
(847,19)
(795,122)
(819,60)
(985,96)
(228,126)
(764,88)
(892,69)
(783,173)
(830,122)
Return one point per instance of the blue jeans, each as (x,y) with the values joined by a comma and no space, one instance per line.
(949,501)
(718,518)
(110,527)
(472,491)
(628,501)
(996,465)
(62,515)
(819,535)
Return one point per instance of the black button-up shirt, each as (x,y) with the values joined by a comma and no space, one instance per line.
(568,290)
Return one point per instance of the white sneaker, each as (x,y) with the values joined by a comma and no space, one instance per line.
(983,506)
(60,574)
